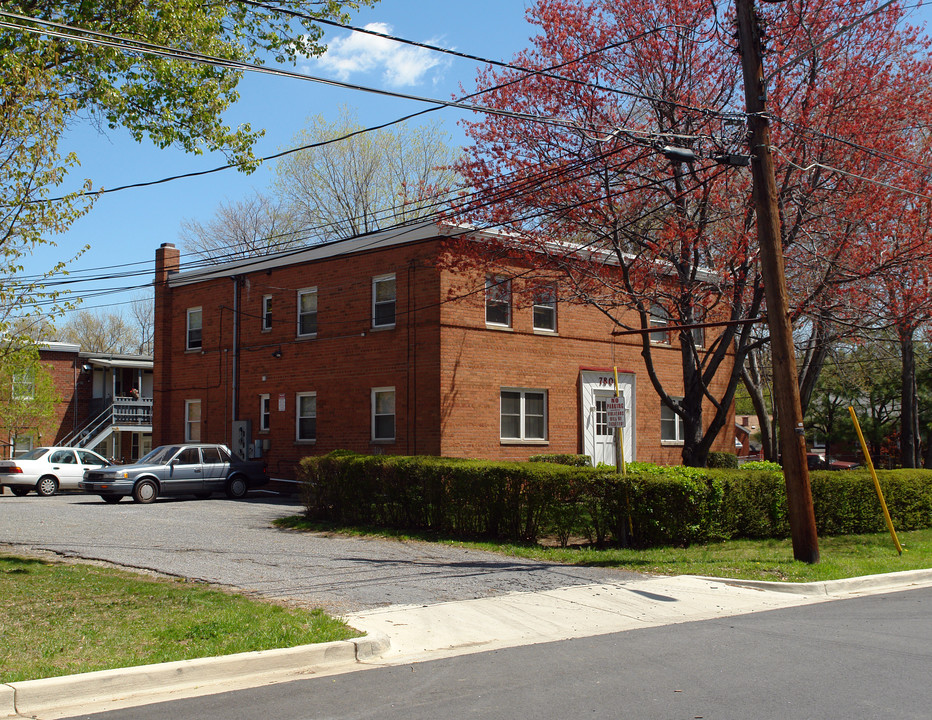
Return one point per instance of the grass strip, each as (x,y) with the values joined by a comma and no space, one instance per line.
(842,556)
(60,619)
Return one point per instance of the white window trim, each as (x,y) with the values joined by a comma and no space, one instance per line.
(298,417)
(661,322)
(187,333)
(301,293)
(494,283)
(266,313)
(188,423)
(552,306)
(265,418)
(678,429)
(545,440)
(375,281)
(372,403)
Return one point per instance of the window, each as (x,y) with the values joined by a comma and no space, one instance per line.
(307,311)
(188,456)
(212,456)
(24,385)
(194,329)
(383,301)
(266,312)
(659,318)
(545,309)
(192,420)
(497,300)
(698,334)
(524,415)
(671,424)
(265,412)
(383,413)
(306,422)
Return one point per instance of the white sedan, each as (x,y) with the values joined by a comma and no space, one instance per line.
(48,469)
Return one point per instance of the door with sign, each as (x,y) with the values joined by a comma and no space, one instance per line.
(603,434)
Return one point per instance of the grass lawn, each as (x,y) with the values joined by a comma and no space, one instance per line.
(60,619)
(841,557)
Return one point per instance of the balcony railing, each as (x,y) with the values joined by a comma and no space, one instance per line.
(132,411)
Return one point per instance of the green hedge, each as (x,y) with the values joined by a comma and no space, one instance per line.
(649,506)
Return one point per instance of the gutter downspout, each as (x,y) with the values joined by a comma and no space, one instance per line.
(234,400)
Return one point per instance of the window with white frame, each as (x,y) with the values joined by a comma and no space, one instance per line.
(498,300)
(659,318)
(265,412)
(698,334)
(24,384)
(307,312)
(523,414)
(306,417)
(383,414)
(194,337)
(384,294)
(192,420)
(22,444)
(266,312)
(671,424)
(545,308)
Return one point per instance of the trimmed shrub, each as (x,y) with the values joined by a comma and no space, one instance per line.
(723,460)
(563,459)
(650,505)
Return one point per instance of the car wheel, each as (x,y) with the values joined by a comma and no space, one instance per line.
(111,498)
(145,491)
(202,495)
(237,487)
(47,486)
(19,490)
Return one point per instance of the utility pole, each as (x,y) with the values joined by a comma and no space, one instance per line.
(786,385)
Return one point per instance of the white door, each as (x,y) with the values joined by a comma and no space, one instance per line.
(603,436)
(598,439)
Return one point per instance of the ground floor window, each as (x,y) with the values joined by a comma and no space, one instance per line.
(671,425)
(265,412)
(306,423)
(383,414)
(523,414)
(192,420)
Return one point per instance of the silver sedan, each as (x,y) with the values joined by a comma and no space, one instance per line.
(48,469)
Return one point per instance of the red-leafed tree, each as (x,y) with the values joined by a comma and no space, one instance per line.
(592,169)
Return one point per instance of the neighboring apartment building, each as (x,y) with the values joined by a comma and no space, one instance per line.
(368,345)
(96,406)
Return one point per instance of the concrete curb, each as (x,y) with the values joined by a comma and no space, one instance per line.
(902,580)
(32,697)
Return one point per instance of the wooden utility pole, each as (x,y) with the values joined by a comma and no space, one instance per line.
(786,385)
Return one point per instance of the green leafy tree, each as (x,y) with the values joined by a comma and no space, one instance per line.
(27,396)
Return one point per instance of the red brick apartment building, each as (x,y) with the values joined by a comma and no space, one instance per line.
(95,407)
(370,345)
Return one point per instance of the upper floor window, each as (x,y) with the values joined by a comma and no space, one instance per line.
(659,318)
(267,312)
(383,413)
(383,301)
(523,414)
(307,311)
(194,329)
(671,424)
(698,334)
(24,385)
(545,308)
(498,300)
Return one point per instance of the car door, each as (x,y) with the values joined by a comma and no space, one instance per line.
(185,473)
(90,461)
(64,465)
(216,468)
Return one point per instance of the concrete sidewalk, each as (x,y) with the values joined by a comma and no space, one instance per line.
(403,634)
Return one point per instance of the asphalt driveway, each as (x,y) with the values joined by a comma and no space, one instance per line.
(233,543)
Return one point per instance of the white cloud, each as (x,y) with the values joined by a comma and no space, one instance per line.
(401,65)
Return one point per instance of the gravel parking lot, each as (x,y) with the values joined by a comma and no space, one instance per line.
(233,543)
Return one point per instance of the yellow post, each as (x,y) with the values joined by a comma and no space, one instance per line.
(870,465)
(620,432)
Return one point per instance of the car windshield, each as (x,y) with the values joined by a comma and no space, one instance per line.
(33,454)
(160,456)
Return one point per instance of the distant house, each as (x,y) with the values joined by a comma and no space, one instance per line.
(371,345)
(97,407)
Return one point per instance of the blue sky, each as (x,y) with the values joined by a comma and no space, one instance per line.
(125,228)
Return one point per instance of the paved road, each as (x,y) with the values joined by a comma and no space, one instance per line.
(863,658)
(233,543)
